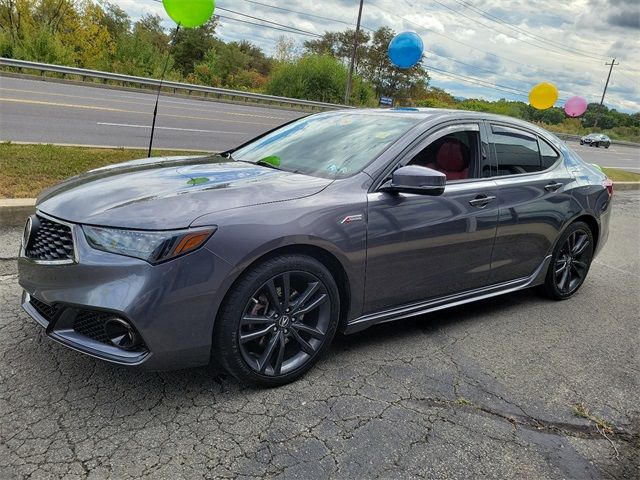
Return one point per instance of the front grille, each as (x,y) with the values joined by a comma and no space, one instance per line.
(51,241)
(46,311)
(91,324)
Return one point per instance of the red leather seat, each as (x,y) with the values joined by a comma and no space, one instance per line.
(452,161)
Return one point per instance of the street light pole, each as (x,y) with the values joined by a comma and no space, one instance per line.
(347,93)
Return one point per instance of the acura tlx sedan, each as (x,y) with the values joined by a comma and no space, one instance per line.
(333,222)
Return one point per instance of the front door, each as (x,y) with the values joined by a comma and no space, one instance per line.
(421,247)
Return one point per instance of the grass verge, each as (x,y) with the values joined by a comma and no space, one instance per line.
(618,175)
(26,170)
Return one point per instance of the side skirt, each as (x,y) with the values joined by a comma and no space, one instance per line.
(432,305)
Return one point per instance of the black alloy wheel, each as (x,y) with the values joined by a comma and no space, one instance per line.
(287,317)
(284,323)
(570,262)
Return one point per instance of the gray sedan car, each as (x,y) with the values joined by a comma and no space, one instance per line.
(595,140)
(333,222)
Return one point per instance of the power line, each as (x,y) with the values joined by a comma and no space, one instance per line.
(488,27)
(496,19)
(477,67)
(311,15)
(478,81)
(447,37)
(309,34)
(278,26)
(267,21)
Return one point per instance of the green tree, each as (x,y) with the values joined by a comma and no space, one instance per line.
(340,45)
(115,20)
(317,77)
(192,44)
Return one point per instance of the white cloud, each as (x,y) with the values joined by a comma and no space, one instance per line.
(502,38)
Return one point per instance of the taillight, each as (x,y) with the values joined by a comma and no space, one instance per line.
(608,184)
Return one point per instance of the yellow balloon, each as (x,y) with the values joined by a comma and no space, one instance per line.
(543,95)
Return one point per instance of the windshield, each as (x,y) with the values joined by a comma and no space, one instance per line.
(328,145)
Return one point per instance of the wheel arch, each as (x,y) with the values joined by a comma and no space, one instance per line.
(322,255)
(591,222)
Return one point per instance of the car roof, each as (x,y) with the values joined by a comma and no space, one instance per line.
(443,114)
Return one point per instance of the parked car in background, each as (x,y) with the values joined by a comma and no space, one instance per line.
(334,222)
(596,140)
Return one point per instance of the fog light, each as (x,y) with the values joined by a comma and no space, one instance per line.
(121,334)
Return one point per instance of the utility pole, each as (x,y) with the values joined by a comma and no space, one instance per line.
(347,93)
(606,85)
(613,63)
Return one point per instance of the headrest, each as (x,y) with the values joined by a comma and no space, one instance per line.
(451,156)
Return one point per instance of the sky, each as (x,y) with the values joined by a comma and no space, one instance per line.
(487,49)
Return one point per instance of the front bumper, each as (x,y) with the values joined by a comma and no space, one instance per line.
(172,305)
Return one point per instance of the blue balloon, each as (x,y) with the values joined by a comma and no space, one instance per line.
(406,49)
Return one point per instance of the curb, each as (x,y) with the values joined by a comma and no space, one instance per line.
(105,147)
(14,211)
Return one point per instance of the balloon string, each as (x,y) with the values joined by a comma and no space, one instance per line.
(164,70)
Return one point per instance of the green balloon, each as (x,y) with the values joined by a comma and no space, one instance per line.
(189,13)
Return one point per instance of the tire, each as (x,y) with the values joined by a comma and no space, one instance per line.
(570,262)
(581,142)
(607,145)
(261,338)
(597,145)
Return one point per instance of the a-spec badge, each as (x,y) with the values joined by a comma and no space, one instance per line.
(351,218)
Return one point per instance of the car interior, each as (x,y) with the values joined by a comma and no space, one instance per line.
(455,155)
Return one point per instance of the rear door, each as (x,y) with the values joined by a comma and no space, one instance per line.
(533,200)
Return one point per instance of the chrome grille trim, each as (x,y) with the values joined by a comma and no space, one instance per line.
(70,253)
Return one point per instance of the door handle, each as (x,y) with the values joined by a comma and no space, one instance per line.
(552,187)
(481,201)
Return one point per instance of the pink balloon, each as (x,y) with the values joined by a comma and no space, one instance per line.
(575,106)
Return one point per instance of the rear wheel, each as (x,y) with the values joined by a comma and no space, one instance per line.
(277,321)
(570,262)
(597,144)
(607,145)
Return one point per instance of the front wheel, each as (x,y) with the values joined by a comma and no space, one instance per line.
(278,320)
(581,142)
(570,262)
(607,145)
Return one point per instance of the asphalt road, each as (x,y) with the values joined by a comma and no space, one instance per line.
(36,111)
(482,391)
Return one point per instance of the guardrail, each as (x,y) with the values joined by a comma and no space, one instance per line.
(217,93)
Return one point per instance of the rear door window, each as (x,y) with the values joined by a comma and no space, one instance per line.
(517,151)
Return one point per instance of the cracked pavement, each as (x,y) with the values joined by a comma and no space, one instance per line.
(481,391)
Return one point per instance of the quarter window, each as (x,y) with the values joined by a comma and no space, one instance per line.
(547,153)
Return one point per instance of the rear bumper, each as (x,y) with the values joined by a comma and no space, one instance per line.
(172,306)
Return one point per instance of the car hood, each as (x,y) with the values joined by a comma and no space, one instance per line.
(170,192)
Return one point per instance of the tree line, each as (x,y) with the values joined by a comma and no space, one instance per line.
(100,35)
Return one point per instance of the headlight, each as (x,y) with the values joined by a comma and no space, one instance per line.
(153,247)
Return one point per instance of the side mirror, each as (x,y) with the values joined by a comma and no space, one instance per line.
(416,179)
